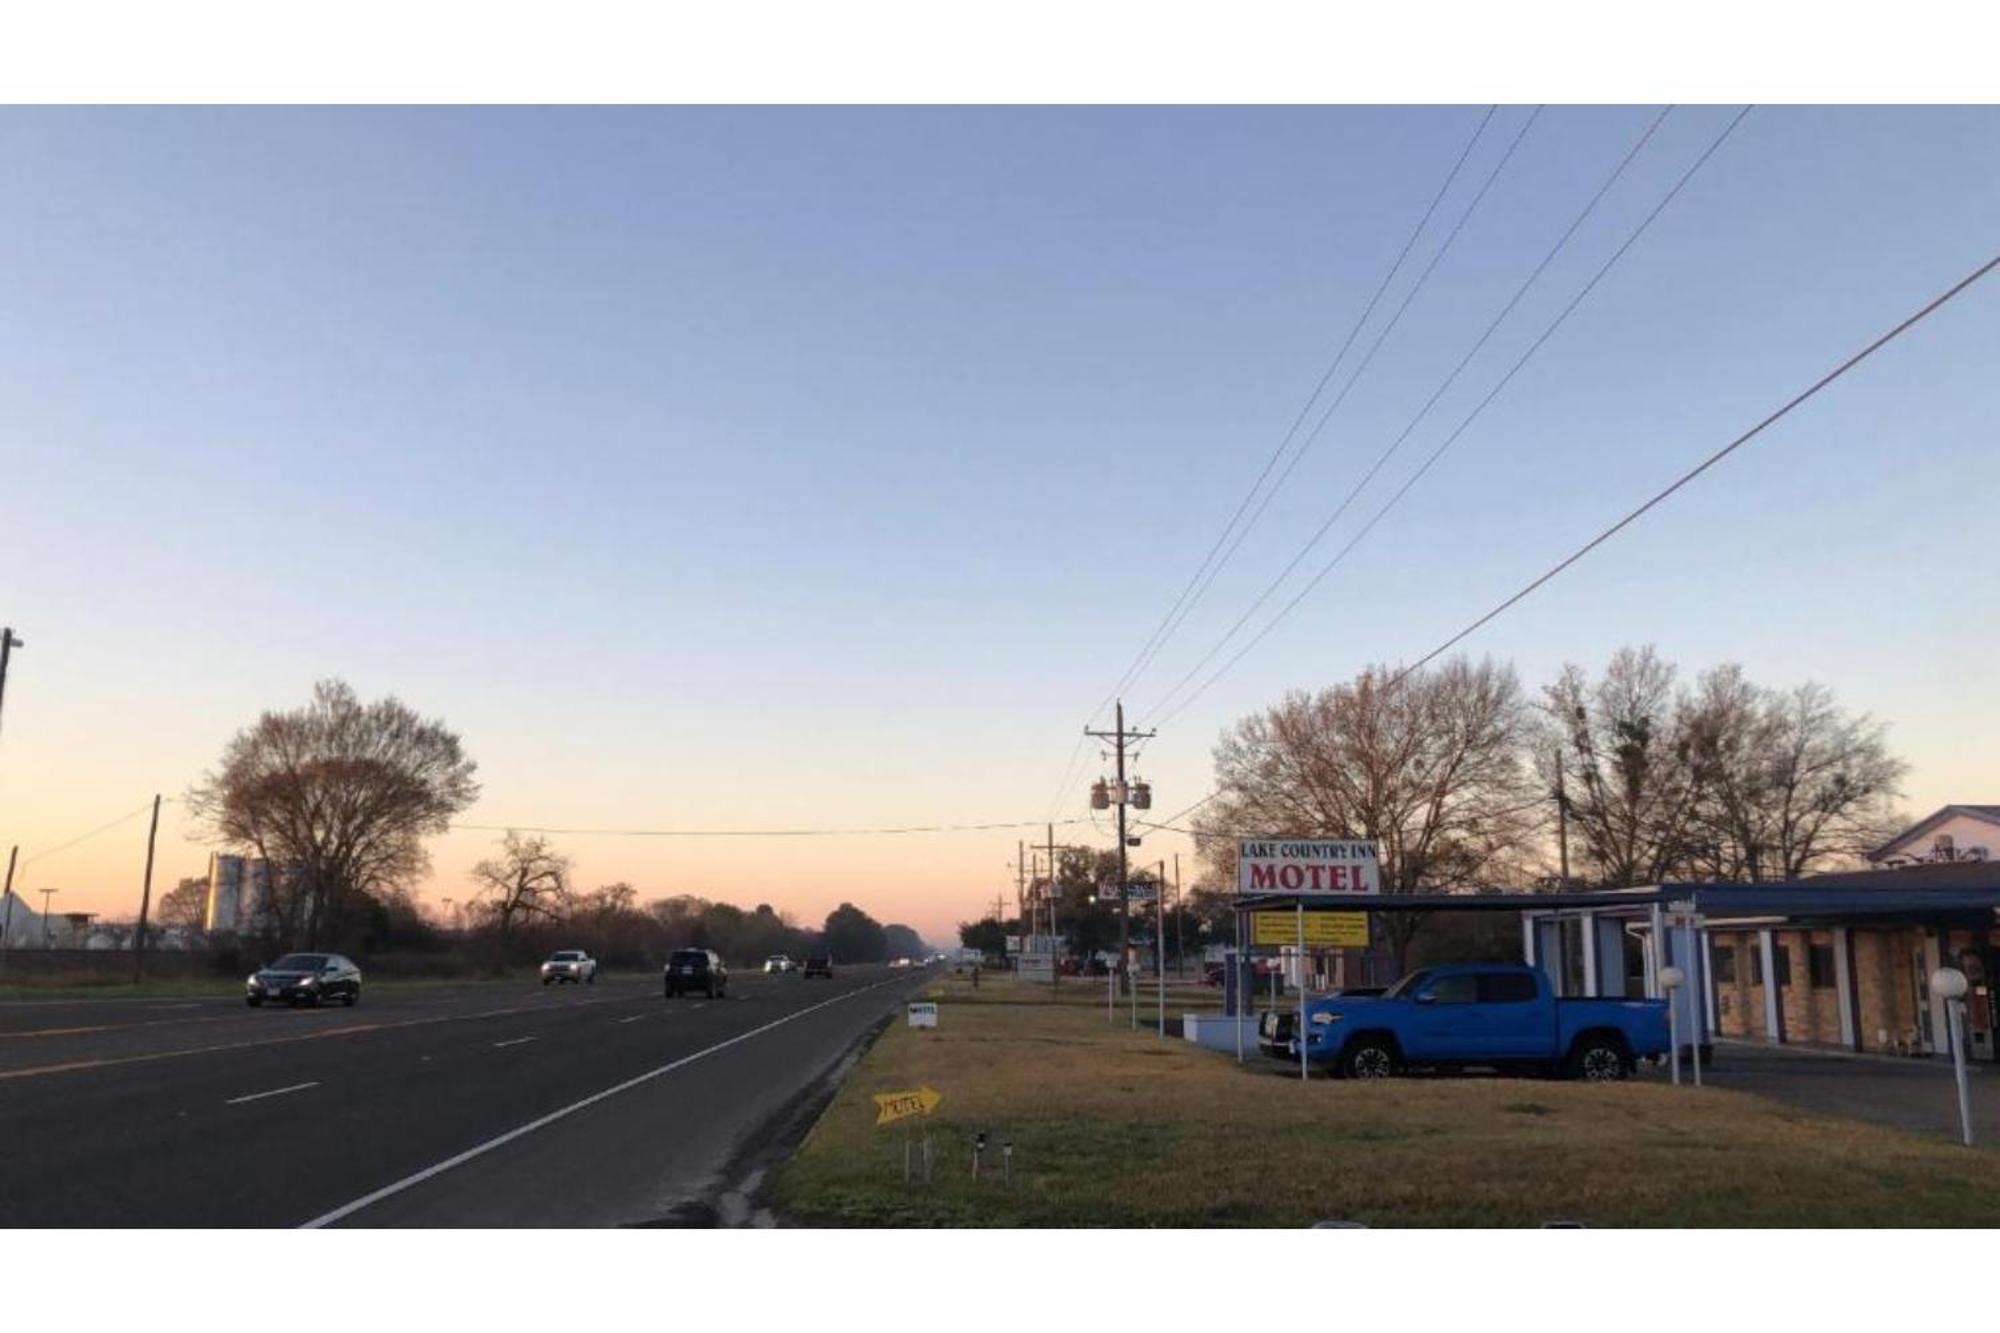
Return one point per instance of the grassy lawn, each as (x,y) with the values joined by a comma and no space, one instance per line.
(1116,1129)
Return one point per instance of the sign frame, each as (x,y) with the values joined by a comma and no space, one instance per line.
(1308,867)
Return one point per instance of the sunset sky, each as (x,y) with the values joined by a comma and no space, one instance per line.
(729,469)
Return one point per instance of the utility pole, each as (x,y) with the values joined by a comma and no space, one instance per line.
(1055,949)
(1123,795)
(1562,819)
(8,642)
(7,896)
(145,899)
(1021,881)
(48,936)
(1180,944)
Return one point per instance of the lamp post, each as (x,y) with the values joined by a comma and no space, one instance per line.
(1670,981)
(1948,983)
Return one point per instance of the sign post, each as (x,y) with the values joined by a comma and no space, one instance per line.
(1681,915)
(1317,868)
(1949,984)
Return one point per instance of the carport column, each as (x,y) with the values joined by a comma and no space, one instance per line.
(1590,954)
(1528,920)
(1772,1031)
(1656,951)
(1843,987)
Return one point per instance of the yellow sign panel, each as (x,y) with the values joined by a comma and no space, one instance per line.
(1324,930)
(893,1106)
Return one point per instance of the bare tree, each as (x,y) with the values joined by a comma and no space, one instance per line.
(527,881)
(338,796)
(185,906)
(1430,769)
(1788,782)
(1632,794)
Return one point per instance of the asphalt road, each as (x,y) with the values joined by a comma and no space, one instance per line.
(480,1105)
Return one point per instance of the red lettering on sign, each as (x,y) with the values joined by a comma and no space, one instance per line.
(1263,877)
(1315,873)
(1291,878)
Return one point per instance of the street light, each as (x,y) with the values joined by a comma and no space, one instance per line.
(1948,983)
(1670,981)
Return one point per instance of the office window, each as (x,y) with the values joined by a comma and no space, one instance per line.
(1756,953)
(1781,958)
(1725,965)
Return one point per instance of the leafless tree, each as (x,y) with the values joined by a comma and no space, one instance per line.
(1789,783)
(1431,769)
(338,796)
(529,880)
(1632,794)
(185,906)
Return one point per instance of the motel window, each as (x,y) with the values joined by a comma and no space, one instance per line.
(1756,965)
(1819,964)
(1725,965)
(1781,959)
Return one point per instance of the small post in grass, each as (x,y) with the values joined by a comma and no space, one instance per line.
(1670,981)
(1948,983)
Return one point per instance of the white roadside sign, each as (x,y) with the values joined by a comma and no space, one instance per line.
(1344,867)
(923,1014)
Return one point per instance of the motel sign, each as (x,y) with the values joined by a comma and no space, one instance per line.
(1340,866)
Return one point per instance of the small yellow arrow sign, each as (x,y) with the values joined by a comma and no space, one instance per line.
(893,1106)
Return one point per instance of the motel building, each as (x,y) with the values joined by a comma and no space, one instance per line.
(1837,961)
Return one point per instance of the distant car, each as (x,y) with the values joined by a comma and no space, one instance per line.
(901,962)
(690,970)
(818,965)
(305,978)
(572,965)
(778,962)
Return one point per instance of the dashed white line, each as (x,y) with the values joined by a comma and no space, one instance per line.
(275,1092)
(515,1042)
(634,1018)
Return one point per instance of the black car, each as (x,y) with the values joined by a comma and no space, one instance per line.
(305,978)
(690,970)
(818,965)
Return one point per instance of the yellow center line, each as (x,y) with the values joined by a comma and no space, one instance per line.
(105,1062)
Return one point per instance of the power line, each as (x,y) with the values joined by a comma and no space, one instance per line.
(1796,401)
(755,833)
(1168,623)
(1822,382)
(1445,445)
(1367,360)
(86,837)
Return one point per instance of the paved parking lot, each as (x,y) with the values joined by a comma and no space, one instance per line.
(1911,1094)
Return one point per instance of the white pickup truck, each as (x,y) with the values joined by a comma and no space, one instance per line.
(570,965)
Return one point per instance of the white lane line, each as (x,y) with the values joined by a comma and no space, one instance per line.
(693,1007)
(634,1018)
(418,1178)
(515,1042)
(275,1092)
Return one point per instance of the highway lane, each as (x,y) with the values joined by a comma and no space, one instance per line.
(218,1116)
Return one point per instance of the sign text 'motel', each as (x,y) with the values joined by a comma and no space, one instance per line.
(1307,865)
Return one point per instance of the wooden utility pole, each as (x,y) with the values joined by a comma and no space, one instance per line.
(7,645)
(1180,944)
(1562,820)
(145,898)
(1120,738)
(7,897)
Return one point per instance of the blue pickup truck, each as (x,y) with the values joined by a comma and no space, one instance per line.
(1503,1016)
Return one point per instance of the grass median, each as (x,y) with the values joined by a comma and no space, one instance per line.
(1113,1128)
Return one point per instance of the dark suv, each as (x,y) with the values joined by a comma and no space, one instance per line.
(818,965)
(691,970)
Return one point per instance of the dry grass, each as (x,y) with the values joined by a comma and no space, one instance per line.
(1113,1129)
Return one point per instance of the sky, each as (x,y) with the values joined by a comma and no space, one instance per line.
(808,468)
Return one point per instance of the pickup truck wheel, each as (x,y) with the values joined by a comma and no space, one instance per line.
(1370,1058)
(1599,1060)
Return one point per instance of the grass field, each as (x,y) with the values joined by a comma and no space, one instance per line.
(1115,1129)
